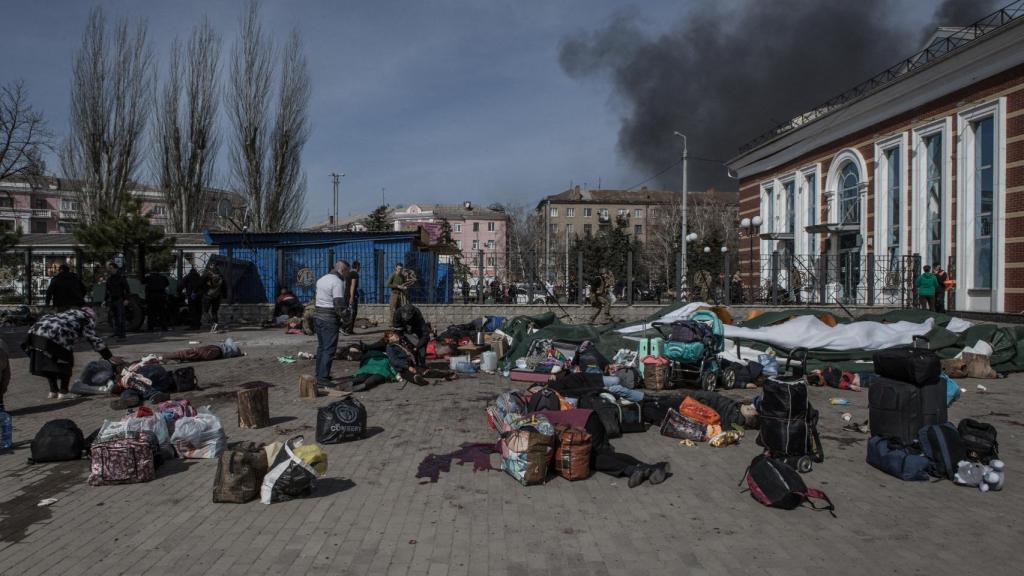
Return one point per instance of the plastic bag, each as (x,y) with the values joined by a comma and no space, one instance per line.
(294,468)
(128,426)
(199,436)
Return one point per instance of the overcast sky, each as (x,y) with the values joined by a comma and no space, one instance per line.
(435,101)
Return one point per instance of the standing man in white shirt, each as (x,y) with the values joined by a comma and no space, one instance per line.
(329,316)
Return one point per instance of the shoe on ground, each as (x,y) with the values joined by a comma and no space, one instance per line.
(659,472)
(67,396)
(419,380)
(640,473)
(52,395)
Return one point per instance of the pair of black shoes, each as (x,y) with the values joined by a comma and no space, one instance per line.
(652,473)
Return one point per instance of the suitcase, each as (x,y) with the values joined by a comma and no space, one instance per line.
(894,410)
(572,455)
(933,403)
(784,399)
(917,366)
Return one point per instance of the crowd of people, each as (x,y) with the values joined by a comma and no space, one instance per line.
(933,286)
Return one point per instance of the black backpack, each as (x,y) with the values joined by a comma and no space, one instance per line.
(942,445)
(979,440)
(543,399)
(185,379)
(57,441)
(776,484)
(161,378)
(341,420)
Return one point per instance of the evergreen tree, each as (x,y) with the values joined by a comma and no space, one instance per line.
(8,240)
(379,220)
(460,271)
(129,234)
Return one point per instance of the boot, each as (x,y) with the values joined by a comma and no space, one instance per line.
(638,474)
(659,472)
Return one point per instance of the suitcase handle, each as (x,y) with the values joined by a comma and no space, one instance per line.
(922,338)
(797,353)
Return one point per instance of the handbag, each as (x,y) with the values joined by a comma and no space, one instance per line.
(675,425)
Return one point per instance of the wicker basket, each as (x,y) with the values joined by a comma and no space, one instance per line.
(656,376)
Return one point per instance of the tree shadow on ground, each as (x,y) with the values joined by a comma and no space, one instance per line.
(280,420)
(50,407)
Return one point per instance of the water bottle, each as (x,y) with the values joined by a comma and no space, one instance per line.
(6,435)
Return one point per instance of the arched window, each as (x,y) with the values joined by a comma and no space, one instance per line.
(849,194)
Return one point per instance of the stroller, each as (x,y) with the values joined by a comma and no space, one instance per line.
(789,424)
(692,347)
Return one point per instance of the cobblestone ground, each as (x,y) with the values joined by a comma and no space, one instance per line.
(370,515)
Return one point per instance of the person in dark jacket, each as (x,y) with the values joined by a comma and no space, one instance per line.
(731,411)
(191,288)
(416,329)
(403,358)
(213,291)
(156,301)
(352,286)
(50,346)
(116,297)
(65,290)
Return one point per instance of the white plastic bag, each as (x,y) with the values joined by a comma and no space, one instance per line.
(129,425)
(199,436)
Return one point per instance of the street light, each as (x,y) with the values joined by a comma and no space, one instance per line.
(751,225)
(682,232)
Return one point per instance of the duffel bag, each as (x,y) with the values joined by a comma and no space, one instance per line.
(896,460)
(56,441)
(572,455)
(776,484)
(678,426)
(942,445)
(979,440)
(341,420)
(122,461)
(698,412)
(784,399)
(524,455)
(916,366)
(240,472)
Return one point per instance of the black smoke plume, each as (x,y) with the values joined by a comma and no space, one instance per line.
(728,71)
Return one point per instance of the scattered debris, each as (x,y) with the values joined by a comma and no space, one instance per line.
(48,501)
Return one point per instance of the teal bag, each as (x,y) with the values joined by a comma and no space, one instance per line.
(683,351)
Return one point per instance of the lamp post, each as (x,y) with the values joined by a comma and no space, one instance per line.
(750,225)
(682,232)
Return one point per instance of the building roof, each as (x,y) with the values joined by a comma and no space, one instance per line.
(44,182)
(945,42)
(641,196)
(34,241)
(304,238)
(465,211)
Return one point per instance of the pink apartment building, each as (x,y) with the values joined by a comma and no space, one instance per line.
(478,232)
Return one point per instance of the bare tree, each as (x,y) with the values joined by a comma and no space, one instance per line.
(266,166)
(23,133)
(525,240)
(111,93)
(186,143)
(286,196)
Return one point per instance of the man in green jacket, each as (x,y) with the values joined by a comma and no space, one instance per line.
(926,285)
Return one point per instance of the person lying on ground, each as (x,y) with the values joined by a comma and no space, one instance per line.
(841,379)
(226,349)
(740,413)
(403,358)
(603,456)
(50,343)
(374,369)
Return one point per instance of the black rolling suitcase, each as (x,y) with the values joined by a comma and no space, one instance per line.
(789,424)
(894,410)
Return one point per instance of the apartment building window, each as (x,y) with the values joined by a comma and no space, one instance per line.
(476,244)
(553,212)
(568,229)
(587,228)
(570,212)
(934,198)
(39,204)
(984,180)
(6,202)
(553,228)
(457,227)
(652,213)
(39,227)
(490,226)
(159,210)
(603,213)
(623,212)
(458,244)
(637,213)
(70,205)
(490,244)
(476,226)
(588,212)
(638,229)
(65,227)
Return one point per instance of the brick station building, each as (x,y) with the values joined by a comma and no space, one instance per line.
(923,164)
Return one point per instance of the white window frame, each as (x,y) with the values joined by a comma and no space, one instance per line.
(767,191)
(553,212)
(457,228)
(882,187)
(490,244)
(919,176)
(588,212)
(968,298)
(569,213)
(832,186)
(490,226)
(638,213)
(476,244)
(804,205)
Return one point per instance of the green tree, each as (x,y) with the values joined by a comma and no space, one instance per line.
(8,240)
(608,249)
(379,220)
(460,271)
(131,234)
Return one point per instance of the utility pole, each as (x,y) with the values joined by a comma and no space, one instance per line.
(547,241)
(682,231)
(336,179)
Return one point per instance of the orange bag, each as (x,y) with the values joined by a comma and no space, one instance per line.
(698,412)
